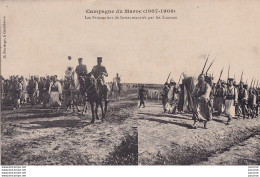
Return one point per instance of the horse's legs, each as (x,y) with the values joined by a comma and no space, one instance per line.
(72,101)
(85,104)
(85,108)
(92,111)
(96,110)
(106,103)
(106,100)
(102,111)
(76,101)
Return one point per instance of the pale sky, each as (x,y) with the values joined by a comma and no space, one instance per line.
(42,34)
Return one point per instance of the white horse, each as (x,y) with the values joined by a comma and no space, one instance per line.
(115,89)
(75,92)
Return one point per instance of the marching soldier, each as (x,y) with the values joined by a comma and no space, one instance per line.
(230,100)
(243,98)
(99,72)
(252,103)
(202,109)
(220,93)
(171,96)
(209,80)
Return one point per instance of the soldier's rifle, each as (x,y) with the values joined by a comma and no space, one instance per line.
(228,71)
(180,78)
(241,76)
(168,77)
(257,85)
(220,74)
(205,65)
(251,83)
(209,67)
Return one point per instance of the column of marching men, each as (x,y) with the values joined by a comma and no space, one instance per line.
(223,98)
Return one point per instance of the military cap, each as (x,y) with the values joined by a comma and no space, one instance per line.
(230,79)
(79,59)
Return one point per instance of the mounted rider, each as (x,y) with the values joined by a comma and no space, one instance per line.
(81,71)
(99,72)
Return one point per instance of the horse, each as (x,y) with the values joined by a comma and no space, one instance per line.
(74,92)
(115,89)
(96,93)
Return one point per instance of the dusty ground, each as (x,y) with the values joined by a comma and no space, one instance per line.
(129,136)
(169,139)
(34,136)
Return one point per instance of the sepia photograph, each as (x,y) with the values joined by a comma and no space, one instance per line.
(130,83)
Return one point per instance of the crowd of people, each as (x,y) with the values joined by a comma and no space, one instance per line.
(203,97)
(50,91)
(206,97)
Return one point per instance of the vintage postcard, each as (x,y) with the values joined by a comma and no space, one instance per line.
(130,82)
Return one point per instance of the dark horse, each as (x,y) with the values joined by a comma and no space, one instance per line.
(96,94)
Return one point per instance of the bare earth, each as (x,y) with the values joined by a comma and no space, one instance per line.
(169,139)
(147,136)
(34,136)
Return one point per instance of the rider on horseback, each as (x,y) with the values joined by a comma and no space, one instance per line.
(81,71)
(99,72)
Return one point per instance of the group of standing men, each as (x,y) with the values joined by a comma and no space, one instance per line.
(226,98)
(47,90)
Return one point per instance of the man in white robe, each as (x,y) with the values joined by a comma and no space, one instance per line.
(231,98)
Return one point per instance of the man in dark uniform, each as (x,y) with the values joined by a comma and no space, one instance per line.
(31,90)
(81,69)
(243,98)
(42,89)
(142,93)
(99,72)
(219,97)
